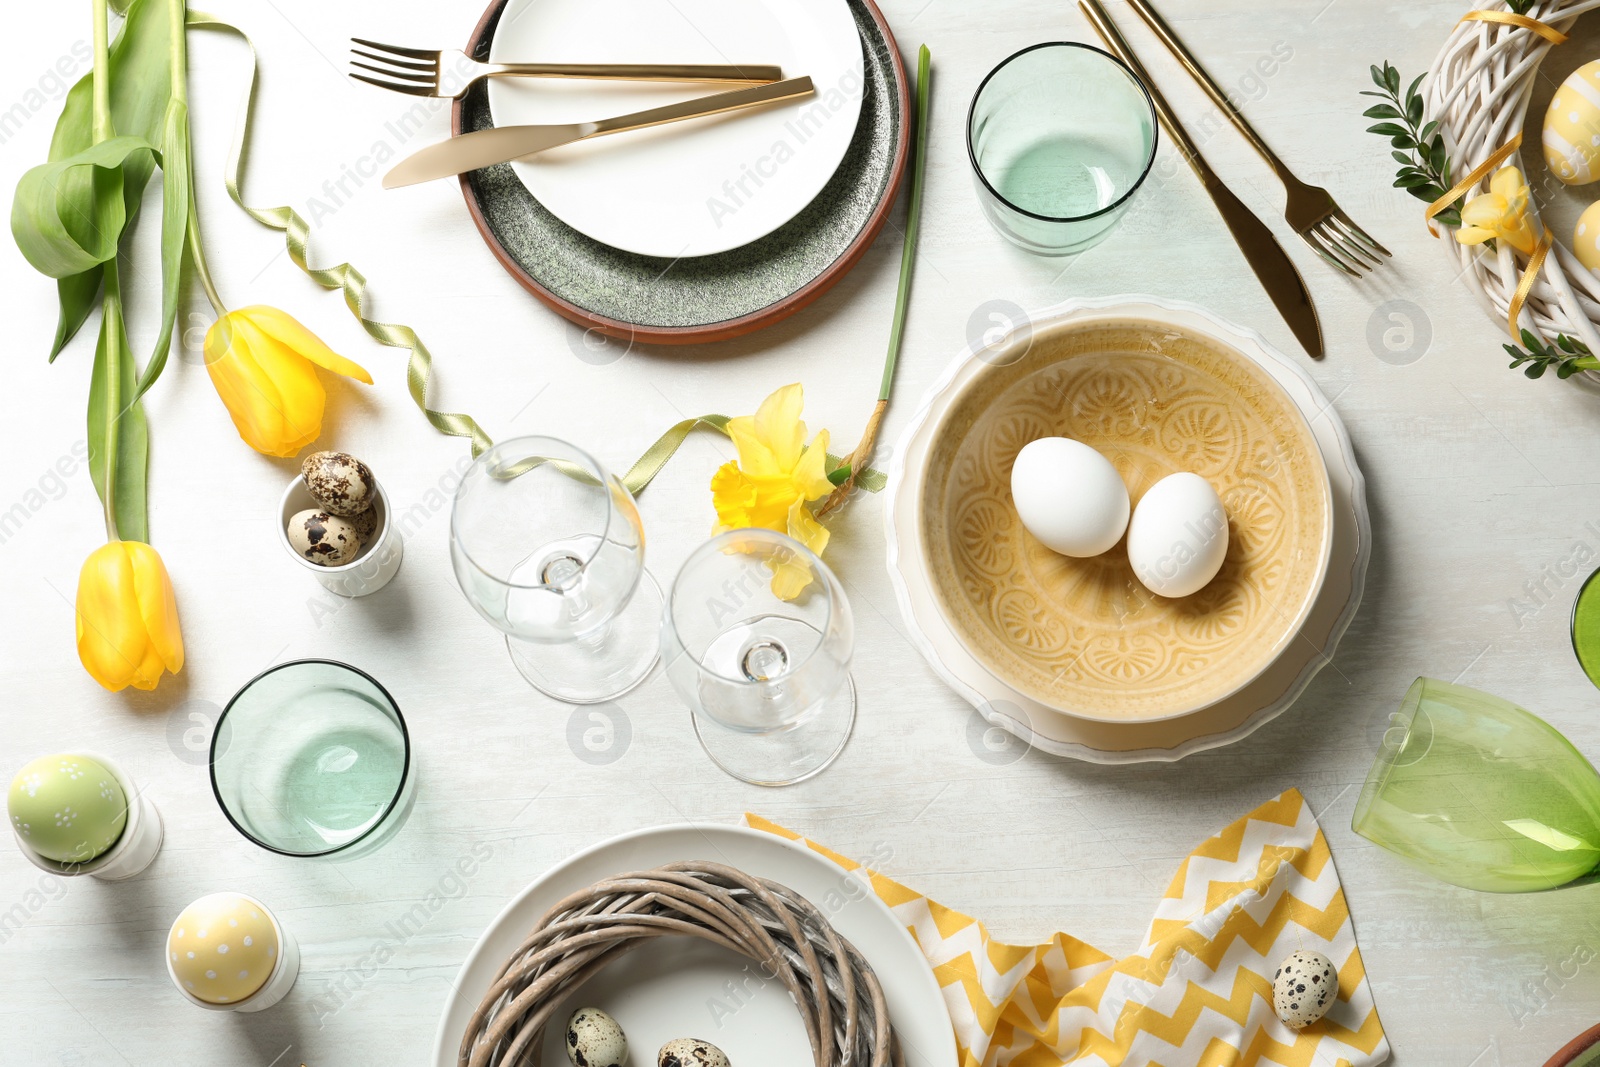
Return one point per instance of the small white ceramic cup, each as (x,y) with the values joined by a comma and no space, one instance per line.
(368,572)
(276,987)
(134,851)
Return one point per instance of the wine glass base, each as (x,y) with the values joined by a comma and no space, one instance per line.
(593,672)
(786,757)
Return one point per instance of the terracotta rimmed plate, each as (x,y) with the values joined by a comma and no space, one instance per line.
(706,298)
(1120,740)
(676,986)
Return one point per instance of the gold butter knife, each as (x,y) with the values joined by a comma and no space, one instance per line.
(470,151)
(1272,265)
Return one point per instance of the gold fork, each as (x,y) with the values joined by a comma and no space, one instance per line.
(449,73)
(1310,211)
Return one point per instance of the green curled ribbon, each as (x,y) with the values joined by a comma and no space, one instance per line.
(419,370)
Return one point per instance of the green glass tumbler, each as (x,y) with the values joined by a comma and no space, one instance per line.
(1060,135)
(1482,794)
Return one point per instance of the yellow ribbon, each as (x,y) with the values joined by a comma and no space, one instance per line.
(1525,286)
(351,282)
(1480,172)
(1521,22)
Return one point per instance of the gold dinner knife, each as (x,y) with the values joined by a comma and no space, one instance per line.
(1266,256)
(502,144)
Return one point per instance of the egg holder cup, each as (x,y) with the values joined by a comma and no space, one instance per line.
(284,972)
(371,570)
(132,852)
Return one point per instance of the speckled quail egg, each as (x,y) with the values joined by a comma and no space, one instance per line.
(366,525)
(595,1040)
(691,1052)
(1304,988)
(340,482)
(324,539)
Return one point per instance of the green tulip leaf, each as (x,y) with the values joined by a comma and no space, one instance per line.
(119,439)
(68,216)
(175,203)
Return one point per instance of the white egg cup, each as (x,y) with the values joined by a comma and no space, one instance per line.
(274,989)
(371,570)
(132,852)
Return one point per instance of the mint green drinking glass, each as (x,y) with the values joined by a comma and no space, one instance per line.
(1061,135)
(312,758)
(1482,794)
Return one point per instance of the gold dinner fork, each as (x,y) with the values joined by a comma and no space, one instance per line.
(1310,211)
(449,73)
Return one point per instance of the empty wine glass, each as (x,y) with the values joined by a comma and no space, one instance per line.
(767,679)
(1482,794)
(548,547)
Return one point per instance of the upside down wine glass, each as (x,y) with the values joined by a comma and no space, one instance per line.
(1480,793)
(766,677)
(548,547)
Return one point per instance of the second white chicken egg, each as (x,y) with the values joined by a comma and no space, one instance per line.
(1069,496)
(1179,536)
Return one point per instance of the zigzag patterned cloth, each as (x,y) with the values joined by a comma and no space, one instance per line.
(1199,991)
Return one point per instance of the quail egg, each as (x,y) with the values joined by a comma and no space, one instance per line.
(1304,988)
(366,525)
(324,539)
(595,1040)
(691,1052)
(340,482)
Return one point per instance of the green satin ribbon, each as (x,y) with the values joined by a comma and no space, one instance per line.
(419,370)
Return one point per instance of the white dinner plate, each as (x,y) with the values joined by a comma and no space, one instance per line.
(683,987)
(690,188)
(1163,740)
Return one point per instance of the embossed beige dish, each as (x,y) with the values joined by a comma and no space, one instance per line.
(1156,397)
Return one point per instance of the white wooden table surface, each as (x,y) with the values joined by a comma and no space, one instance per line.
(1486,516)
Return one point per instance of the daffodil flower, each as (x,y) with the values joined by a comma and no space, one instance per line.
(1500,214)
(127,617)
(264,365)
(776,476)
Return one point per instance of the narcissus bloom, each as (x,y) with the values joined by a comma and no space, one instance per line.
(264,365)
(1501,213)
(127,617)
(776,476)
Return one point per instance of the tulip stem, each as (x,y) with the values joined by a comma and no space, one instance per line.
(111,296)
(198,253)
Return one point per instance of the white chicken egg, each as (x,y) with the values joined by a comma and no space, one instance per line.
(1069,496)
(1179,536)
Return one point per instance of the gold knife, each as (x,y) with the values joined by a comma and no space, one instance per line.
(1273,267)
(470,151)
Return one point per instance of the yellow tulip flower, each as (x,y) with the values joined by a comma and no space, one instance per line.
(1500,213)
(264,365)
(127,617)
(776,475)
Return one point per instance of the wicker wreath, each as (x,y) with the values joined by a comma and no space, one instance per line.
(840,1000)
(1478,90)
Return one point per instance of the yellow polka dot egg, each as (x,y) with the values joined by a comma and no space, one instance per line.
(223,948)
(1572,127)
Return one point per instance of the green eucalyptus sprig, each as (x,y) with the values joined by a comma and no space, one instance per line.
(1416,145)
(1568,357)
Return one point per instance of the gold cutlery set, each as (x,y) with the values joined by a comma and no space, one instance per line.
(449,74)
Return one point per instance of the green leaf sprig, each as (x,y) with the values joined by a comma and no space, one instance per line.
(1567,358)
(1520,6)
(1416,145)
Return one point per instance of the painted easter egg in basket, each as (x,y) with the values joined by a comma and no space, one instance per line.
(1572,127)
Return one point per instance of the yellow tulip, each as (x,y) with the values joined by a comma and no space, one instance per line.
(776,475)
(127,617)
(264,365)
(1500,213)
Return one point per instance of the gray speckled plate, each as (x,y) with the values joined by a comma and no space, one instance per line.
(706,298)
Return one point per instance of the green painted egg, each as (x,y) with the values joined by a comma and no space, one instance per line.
(67,808)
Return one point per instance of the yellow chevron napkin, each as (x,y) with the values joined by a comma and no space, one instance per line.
(1199,991)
